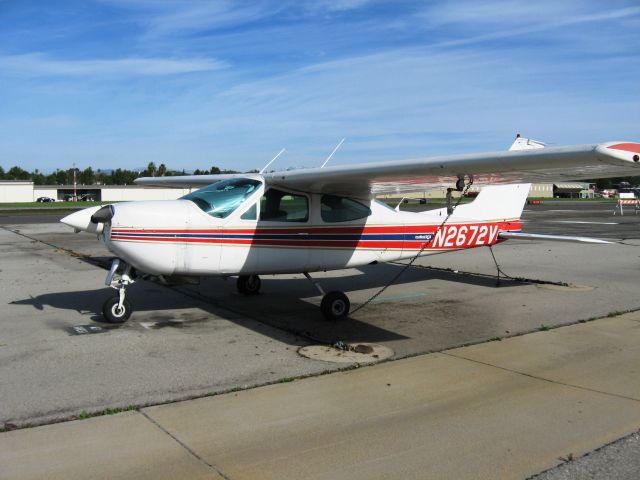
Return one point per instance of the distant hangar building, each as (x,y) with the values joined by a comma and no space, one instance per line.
(15,191)
(25,191)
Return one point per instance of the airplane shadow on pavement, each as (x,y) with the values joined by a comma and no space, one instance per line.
(290,305)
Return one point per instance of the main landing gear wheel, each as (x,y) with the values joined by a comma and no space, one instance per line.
(249,284)
(335,306)
(114,313)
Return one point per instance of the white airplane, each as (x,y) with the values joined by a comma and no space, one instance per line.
(321,219)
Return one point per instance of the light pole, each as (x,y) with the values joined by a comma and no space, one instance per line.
(75,190)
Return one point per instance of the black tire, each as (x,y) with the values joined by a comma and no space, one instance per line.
(249,284)
(335,306)
(111,313)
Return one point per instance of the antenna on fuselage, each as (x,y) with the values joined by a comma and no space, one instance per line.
(271,161)
(334,151)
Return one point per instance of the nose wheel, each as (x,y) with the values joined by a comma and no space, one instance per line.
(113,312)
(118,309)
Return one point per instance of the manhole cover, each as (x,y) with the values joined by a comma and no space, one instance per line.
(361,353)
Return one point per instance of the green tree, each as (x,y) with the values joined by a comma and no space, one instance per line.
(162,170)
(17,173)
(214,170)
(118,176)
(2,174)
(37,177)
(61,177)
(107,178)
(151,170)
(87,177)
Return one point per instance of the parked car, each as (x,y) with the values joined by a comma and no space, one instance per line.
(45,199)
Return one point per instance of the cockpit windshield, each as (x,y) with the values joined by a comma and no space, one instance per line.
(220,199)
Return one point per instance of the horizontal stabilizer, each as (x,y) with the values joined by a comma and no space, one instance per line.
(554,238)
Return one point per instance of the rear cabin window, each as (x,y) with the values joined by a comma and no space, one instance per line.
(220,199)
(341,209)
(279,206)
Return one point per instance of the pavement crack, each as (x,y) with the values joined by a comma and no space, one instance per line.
(192,452)
(536,377)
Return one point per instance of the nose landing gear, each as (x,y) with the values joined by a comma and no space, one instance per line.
(118,309)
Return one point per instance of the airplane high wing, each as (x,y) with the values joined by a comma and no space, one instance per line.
(613,159)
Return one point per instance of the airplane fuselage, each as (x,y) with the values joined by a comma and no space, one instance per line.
(186,241)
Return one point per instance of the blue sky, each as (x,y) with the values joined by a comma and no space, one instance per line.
(192,84)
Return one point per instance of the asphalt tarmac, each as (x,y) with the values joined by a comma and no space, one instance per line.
(58,360)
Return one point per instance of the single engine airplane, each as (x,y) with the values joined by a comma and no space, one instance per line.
(319,219)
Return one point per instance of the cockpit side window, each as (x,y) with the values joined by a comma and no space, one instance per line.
(251,213)
(279,206)
(335,209)
(220,199)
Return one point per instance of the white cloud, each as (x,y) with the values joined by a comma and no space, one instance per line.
(338,5)
(205,16)
(504,19)
(162,18)
(37,64)
(501,12)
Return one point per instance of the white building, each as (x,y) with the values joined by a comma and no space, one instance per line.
(108,193)
(25,191)
(16,191)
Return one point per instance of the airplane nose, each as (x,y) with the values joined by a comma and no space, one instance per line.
(82,220)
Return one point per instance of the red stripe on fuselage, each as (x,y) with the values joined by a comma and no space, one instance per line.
(396,229)
(446,239)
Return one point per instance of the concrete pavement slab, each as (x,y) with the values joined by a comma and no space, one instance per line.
(188,348)
(126,446)
(603,355)
(434,416)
